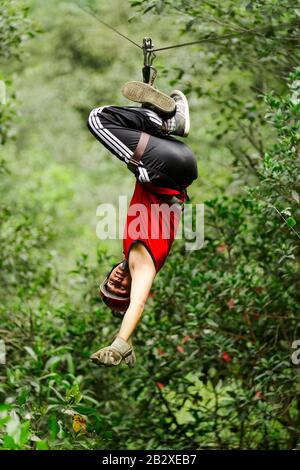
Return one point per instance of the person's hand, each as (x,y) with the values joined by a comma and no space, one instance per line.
(131,359)
(119,350)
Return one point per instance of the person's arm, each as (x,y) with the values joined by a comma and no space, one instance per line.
(142,272)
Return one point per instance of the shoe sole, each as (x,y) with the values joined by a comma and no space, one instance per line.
(186,111)
(143,93)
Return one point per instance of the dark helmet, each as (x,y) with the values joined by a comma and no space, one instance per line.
(115,302)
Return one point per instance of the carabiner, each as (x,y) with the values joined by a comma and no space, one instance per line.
(149,56)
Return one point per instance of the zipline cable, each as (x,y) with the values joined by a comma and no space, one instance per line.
(215,38)
(92,13)
(208,38)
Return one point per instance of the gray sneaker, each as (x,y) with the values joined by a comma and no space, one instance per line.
(179,124)
(148,95)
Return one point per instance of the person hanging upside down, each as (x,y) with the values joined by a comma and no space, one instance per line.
(164,167)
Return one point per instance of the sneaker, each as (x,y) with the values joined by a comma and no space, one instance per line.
(150,97)
(179,124)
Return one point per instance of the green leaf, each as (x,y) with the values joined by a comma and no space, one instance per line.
(291,221)
(31,352)
(24,435)
(57,394)
(53,426)
(295,196)
(5,407)
(42,445)
(9,443)
(84,410)
(4,421)
(286,211)
(52,362)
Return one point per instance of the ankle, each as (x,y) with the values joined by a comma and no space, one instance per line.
(164,128)
(121,345)
(123,338)
(169,126)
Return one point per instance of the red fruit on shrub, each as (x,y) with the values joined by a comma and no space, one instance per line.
(160,385)
(226,357)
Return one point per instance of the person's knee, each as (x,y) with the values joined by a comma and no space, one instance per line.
(96,119)
(91,118)
(100,117)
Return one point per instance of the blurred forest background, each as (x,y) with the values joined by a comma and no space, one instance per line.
(214,346)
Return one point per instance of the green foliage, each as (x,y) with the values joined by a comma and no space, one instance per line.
(260,36)
(16,27)
(224,321)
(7,116)
(214,344)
